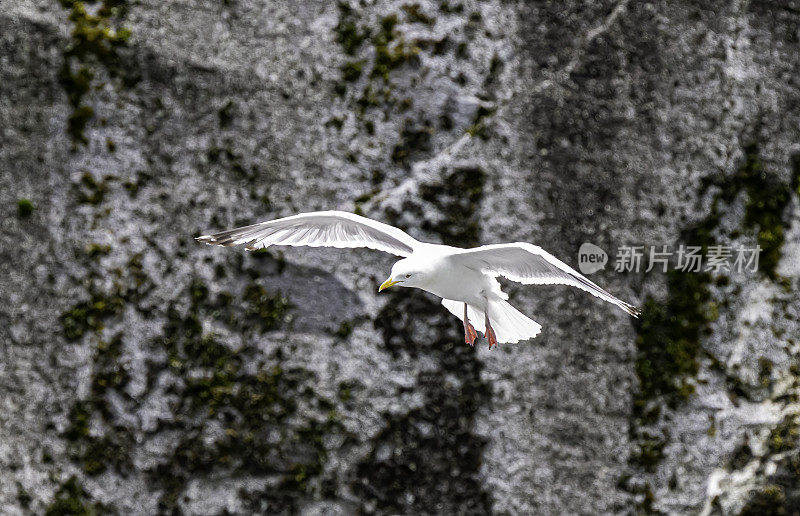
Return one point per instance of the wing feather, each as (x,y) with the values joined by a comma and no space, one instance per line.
(318,229)
(531,265)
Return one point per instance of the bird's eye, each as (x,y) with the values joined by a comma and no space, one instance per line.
(408,275)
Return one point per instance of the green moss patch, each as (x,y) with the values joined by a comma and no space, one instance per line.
(112,448)
(351,70)
(94,250)
(784,437)
(668,340)
(383,52)
(460,192)
(274,422)
(92,191)
(263,308)
(24,208)
(781,494)
(135,183)
(95,42)
(650,451)
(89,316)
(71,500)
(347,33)
(479,127)
(767,199)
(389,52)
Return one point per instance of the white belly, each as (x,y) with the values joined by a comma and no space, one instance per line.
(461,284)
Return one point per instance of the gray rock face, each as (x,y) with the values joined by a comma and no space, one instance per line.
(144,373)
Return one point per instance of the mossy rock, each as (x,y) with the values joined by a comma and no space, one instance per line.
(95,41)
(347,33)
(70,500)
(24,208)
(769,501)
(670,331)
(89,316)
(785,436)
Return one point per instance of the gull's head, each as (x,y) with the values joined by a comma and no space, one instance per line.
(405,273)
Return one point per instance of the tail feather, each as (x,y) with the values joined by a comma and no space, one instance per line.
(509,324)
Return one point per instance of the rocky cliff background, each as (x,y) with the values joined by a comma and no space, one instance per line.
(143,373)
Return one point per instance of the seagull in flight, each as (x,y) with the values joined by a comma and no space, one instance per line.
(465,279)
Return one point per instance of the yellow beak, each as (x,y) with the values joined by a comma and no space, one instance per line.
(386,284)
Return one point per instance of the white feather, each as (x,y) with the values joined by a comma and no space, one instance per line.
(509,324)
(531,265)
(319,229)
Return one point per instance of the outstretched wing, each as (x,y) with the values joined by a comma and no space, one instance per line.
(318,229)
(531,265)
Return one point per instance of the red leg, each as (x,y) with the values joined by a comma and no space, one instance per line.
(490,335)
(469,330)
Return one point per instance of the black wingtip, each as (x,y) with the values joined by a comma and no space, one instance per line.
(632,310)
(213,240)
